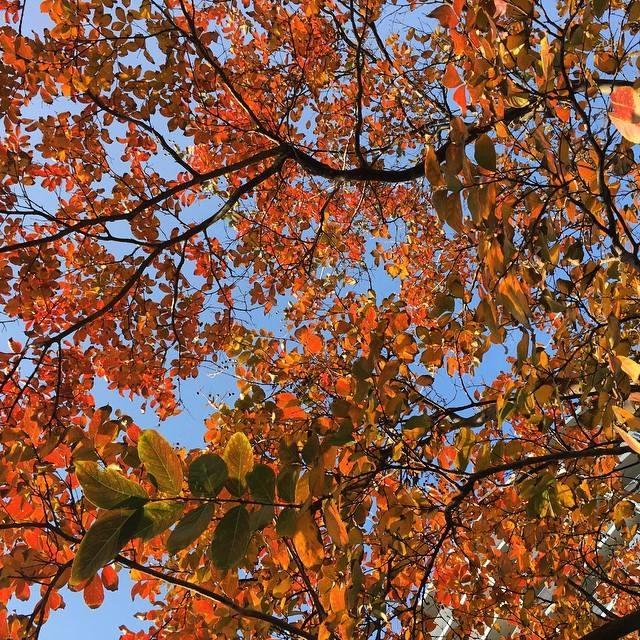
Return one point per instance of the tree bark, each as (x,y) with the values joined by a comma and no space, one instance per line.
(616,628)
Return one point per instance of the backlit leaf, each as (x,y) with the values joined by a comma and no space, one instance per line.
(93,593)
(335,525)
(156,517)
(161,461)
(239,456)
(307,541)
(630,367)
(634,444)
(626,417)
(108,488)
(625,112)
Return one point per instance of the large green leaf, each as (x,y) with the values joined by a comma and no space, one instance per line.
(108,488)
(161,461)
(286,522)
(287,479)
(262,483)
(108,535)
(190,528)
(155,518)
(207,475)
(261,518)
(231,538)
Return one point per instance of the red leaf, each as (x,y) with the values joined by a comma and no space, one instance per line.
(625,113)
(110,578)
(94,593)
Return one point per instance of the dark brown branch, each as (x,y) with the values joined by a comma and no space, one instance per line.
(146,204)
(616,628)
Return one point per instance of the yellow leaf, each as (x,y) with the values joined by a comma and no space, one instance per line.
(629,439)
(307,542)
(335,526)
(282,588)
(238,456)
(626,417)
(630,367)
(543,394)
(565,495)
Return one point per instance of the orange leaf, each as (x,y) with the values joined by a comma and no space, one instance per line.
(307,540)
(432,167)
(288,404)
(311,342)
(445,15)
(343,387)
(335,525)
(451,79)
(460,98)
(99,416)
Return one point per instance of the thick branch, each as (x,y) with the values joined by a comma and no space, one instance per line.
(616,628)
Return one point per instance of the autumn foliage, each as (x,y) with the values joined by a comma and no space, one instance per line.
(408,231)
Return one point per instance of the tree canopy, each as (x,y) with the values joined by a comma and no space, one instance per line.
(407,230)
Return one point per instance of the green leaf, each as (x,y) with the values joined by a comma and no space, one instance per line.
(465,439)
(344,435)
(235,487)
(262,517)
(155,518)
(421,423)
(311,449)
(231,538)
(190,528)
(485,152)
(287,480)
(286,523)
(239,456)
(108,488)
(161,461)
(262,483)
(362,368)
(106,537)
(207,475)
